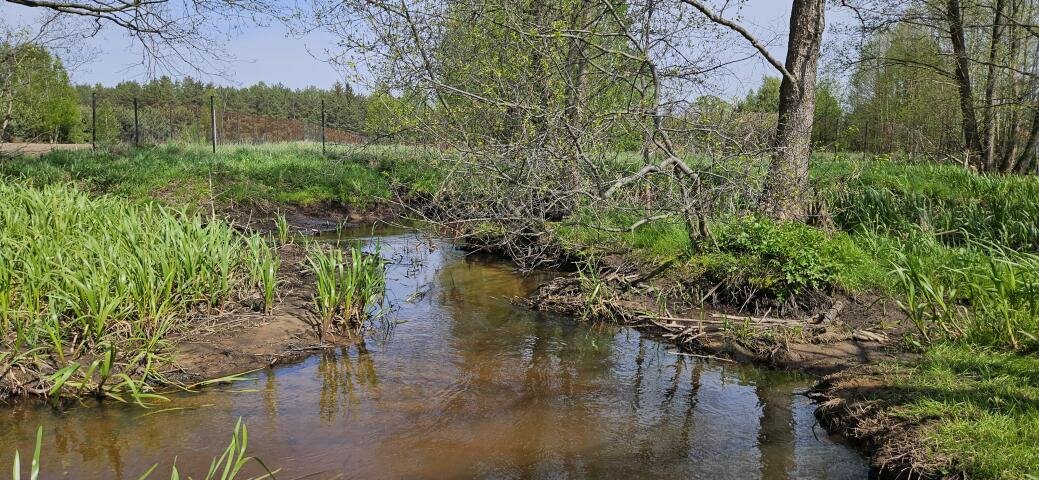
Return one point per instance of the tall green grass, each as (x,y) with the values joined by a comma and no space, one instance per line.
(954,204)
(982,295)
(347,289)
(290,173)
(92,288)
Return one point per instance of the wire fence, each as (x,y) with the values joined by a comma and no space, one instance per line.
(220,119)
(207,120)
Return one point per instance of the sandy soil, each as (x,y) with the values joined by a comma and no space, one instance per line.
(39,148)
(245,338)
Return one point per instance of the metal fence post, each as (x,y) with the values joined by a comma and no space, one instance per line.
(136,125)
(322,127)
(865,139)
(212,114)
(93,120)
(836,134)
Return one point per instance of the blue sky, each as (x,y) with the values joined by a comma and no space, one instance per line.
(271,54)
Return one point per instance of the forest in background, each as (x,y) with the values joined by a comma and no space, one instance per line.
(43,105)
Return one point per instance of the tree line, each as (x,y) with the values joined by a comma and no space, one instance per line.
(39,103)
(179,110)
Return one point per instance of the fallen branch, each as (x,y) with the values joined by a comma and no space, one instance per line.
(721,319)
(706,357)
(832,313)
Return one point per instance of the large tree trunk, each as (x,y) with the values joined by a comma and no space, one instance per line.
(954,16)
(786,193)
(989,162)
(1014,130)
(1023,162)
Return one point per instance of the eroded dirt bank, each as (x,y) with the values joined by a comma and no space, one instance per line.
(851,404)
(245,338)
(842,333)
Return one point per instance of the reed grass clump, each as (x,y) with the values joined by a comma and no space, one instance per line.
(281,225)
(956,205)
(92,288)
(988,295)
(347,288)
(263,262)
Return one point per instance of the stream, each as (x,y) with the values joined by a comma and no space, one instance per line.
(459,381)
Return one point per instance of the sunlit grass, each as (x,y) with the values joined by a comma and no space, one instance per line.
(885,195)
(347,288)
(92,288)
(289,173)
(978,409)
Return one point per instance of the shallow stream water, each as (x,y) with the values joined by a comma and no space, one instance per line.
(459,381)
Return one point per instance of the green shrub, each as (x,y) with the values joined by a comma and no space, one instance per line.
(780,259)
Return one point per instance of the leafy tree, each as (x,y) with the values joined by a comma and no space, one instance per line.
(828,111)
(42,103)
(765,99)
(828,114)
(109,128)
(894,101)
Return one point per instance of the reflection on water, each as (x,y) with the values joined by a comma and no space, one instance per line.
(460,382)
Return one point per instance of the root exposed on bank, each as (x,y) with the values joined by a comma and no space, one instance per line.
(822,342)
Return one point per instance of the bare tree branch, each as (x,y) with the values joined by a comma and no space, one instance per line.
(754,42)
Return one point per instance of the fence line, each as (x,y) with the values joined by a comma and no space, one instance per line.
(157,123)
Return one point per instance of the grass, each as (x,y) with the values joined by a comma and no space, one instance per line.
(104,256)
(891,196)
(749,256)
(347,289)
(91,288)
(954,246)
(977,409)
(263,264)
(191,175)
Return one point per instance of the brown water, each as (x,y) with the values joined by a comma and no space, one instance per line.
(459,382)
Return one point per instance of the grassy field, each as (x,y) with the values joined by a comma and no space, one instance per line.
(191,175)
